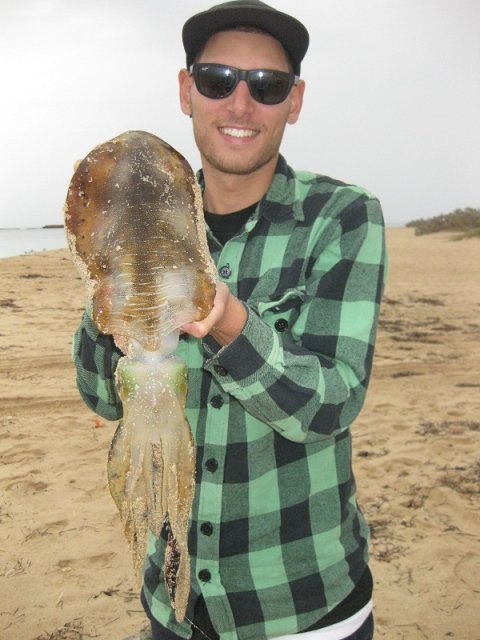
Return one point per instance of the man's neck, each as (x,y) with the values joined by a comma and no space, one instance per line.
(225,193)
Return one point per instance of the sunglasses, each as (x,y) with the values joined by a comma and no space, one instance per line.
(267,86)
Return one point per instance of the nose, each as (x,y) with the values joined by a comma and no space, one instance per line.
(240,101)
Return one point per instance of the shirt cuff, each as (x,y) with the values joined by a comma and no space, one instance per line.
(241,362)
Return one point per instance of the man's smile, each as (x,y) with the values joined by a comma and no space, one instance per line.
(235,132)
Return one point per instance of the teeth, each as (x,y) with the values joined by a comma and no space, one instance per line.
(238,133)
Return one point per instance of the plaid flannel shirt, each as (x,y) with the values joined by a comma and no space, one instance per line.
(277,539)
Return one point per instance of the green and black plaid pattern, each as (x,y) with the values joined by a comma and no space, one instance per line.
(96,356)
(277,538)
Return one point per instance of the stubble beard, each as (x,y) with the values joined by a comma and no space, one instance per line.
(236,166)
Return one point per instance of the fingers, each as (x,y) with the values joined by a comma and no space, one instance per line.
(202,328)
(225,321)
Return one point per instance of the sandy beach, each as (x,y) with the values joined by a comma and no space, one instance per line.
(65,569)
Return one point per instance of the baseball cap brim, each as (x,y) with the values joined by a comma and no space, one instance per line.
(287,30)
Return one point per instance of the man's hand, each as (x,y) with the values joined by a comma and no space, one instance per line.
(224,322)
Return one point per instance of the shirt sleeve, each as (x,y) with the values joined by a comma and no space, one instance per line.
(312,383)
(96,356)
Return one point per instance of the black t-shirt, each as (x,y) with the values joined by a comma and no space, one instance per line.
(225,225)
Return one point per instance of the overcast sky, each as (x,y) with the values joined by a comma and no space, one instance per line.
(392,100)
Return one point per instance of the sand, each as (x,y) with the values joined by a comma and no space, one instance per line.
(65,569)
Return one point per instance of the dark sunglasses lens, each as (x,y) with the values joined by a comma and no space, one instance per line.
(214,82)
(266,86)
(270,87)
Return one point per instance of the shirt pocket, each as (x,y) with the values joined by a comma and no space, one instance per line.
(282,310)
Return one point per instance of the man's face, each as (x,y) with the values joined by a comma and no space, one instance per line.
(238,135)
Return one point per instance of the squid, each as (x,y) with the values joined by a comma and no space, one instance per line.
(135,230)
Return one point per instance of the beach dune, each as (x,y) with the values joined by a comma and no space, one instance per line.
(65,569)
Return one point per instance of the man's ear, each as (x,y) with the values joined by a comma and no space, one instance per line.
(185,82)
(296,101)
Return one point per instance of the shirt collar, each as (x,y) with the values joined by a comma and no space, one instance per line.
(281,202)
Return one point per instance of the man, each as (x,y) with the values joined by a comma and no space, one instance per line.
(279,370)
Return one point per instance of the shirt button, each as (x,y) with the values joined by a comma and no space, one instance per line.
(220,370)
(216,402)
(206,528)
(205,575)
(212,465)
(225,271)
(281,324)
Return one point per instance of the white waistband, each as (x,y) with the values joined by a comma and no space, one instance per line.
(337,631)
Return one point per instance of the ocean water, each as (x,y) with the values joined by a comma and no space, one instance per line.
(16,242)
